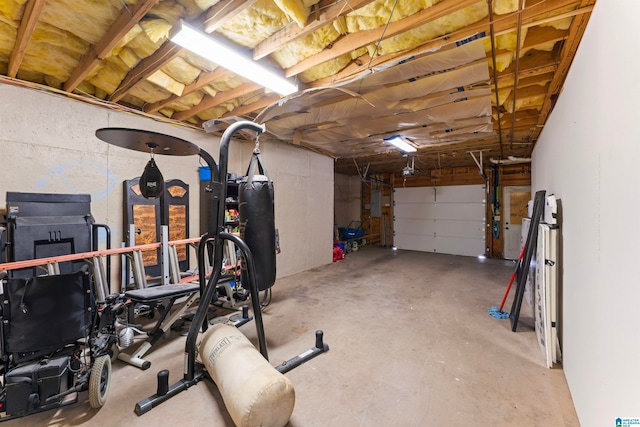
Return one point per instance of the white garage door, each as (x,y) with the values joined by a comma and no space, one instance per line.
(449,220)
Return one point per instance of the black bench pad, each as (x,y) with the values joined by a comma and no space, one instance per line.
(156,293)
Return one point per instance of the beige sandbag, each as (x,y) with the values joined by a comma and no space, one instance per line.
(254,392)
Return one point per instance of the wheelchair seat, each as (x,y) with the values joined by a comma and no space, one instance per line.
(44,314)
(49,349)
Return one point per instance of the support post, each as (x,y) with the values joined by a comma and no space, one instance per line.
(164,258)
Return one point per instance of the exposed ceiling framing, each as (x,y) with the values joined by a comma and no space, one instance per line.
(346,55)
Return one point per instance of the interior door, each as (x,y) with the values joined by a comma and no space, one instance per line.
(514,209)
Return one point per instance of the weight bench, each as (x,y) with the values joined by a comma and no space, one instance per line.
(152,297)
(155,295)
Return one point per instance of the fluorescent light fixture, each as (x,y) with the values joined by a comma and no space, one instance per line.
(208,47)
(401,143)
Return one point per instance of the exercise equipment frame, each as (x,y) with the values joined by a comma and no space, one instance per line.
(215,238)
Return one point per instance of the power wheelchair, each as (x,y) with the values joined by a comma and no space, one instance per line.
(56,341)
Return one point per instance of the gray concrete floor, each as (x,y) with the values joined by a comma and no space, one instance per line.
(411,344)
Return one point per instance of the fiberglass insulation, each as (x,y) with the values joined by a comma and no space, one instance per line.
(61,38)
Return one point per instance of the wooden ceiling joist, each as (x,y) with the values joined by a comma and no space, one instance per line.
(30,17)
(221,12)
(528,91)
(550,66)
(220,98)
(539,80)
(539,60)
(145,68)
(255,106)
(215,16)
(522,123)
(521,116)
(532,15)
(527,128)
(126,20)
(202,80)
(354,68)
(329,10)
(355,41)
(538,37)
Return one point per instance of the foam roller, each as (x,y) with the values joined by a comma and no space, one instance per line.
(253,391)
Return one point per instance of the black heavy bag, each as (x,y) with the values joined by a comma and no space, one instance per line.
(257,223)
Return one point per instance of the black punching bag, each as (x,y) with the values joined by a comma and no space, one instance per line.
(151,181)
(257,223)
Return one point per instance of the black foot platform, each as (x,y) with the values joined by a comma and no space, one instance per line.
(303,357)
(166,391)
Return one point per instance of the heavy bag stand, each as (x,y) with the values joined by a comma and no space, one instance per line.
(147,141)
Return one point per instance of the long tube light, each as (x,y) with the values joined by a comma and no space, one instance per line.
(206,46)
(401,143)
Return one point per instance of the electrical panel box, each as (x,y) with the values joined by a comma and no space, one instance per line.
(376,203)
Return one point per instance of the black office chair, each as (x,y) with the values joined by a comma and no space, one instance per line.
(53,344)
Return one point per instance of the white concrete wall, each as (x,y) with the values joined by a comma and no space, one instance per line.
(303,183)
(347,199)
(48,145)
(588,157)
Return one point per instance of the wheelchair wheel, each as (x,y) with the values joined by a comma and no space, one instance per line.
(99,381)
